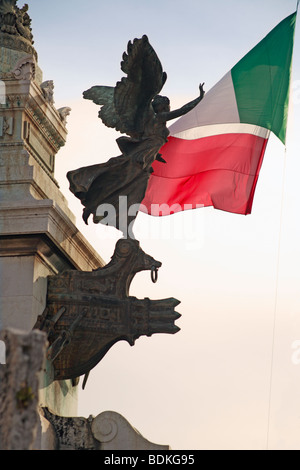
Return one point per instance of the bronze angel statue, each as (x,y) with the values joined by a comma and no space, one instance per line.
(135,108)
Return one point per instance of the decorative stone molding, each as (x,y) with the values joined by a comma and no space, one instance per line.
(14,101)
(15,21)
(114,432)
(71,433)
(6,125)
(48,90)
(46,126)
(16,42)
(25,68)
(107,431)
(51,125)
(15,27)
(45,218)
(29,116)
(64,112)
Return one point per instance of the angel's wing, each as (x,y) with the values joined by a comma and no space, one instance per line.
(134,93)
(104,96)
(127,106)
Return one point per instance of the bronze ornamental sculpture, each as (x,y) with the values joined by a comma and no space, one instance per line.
(88,312)
(133,107)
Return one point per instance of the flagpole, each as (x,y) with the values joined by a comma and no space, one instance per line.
(275,315)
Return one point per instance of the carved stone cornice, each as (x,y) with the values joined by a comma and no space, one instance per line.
(15,101)
(44,218)
(47,128)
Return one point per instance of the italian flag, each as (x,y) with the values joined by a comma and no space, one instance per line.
(215,152)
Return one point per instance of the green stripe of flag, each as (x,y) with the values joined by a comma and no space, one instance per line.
(261,79)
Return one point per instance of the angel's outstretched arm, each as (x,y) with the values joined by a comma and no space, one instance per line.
(184,109)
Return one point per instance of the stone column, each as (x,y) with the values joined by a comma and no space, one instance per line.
(19,388)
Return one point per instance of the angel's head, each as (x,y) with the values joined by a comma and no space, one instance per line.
(161,104)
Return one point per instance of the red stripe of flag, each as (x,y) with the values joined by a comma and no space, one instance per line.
(220,171)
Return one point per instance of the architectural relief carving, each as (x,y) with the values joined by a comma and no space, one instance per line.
(6,125)
(107,431)
(25,68)
(14,20)
(46,127)
(15,27)
(64,113)
(48,90)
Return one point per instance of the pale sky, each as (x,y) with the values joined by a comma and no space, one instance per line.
(230,379)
